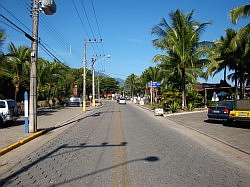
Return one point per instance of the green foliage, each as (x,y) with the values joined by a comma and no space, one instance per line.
(172,95)
(156,105)
(194,98)
(174,106)
(190,107)
(54,79)
(109,85)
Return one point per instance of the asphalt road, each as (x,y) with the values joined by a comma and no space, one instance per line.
(125,145)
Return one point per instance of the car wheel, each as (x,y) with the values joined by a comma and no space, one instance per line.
(1,121)
(17,111)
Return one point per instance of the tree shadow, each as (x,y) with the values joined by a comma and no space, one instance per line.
(15,174)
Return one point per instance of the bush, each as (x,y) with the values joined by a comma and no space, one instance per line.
(174,106)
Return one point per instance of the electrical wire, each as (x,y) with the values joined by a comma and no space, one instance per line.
(14,17)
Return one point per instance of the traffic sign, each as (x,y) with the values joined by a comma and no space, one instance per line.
(154,84)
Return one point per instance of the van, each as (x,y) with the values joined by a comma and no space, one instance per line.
(10,111)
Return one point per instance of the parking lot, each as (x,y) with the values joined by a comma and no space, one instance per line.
(235,136)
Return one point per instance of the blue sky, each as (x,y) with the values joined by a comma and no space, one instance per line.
(124,27)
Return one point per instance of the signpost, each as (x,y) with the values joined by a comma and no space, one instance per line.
(154,84)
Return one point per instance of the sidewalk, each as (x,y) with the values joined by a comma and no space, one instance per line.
(14,135)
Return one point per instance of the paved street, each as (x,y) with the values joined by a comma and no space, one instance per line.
(125,145)
(46,118)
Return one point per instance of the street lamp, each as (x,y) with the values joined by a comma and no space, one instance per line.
(93,76)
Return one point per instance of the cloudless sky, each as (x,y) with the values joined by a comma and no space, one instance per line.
(124,27)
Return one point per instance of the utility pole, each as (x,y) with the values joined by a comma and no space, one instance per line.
(93,82)
(48,8)
(33,71)
(84,77)
(84,70)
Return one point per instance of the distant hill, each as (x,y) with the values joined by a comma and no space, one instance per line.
(121,81)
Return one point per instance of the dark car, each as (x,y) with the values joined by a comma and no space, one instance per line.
(221,110)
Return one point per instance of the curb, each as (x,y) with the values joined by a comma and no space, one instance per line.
(21,142)
(35,135)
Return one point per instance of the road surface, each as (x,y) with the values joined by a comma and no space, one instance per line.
(124,145)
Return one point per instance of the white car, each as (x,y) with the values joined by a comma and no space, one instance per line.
(122,101)
(10,111)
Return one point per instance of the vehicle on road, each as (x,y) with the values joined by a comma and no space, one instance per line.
(10,110)
(122,101)
(74,101)
(241,111)
(221,110)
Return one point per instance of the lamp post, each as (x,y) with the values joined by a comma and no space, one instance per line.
(93,76)
(84,70)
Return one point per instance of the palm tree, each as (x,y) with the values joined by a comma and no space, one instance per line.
(17,62)
(181,43)
(222,54)
(241,42)
(244,33)
(151,74)
(131,82)
(2,38)
(50,77)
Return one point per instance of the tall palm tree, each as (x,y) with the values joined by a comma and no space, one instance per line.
(181,43)
(50,77)
(152,74)
(131,82)
(18,64)
(222,54)
(244,33)
(2,38)
(241,42)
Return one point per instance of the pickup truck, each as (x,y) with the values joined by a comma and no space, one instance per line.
(241,111)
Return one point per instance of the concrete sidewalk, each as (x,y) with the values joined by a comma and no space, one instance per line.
(13,135)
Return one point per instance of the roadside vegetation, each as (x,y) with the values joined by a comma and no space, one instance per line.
(186,58)
(183,60)
(55,80)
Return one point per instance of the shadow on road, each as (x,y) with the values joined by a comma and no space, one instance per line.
(14,175)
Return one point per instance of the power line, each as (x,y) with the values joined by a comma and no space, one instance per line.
(80,19)
(25,33)
(14,17)
(98,28)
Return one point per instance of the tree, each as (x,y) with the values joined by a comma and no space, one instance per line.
(51,76)
(17,63)
(241,44)
(182,45)
(153,74)
(244,33)
(131,83)
(108,85)
(2,38)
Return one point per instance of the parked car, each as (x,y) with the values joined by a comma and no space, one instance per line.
(10,110)
(74,101)
(221,110)
(241,112)
(122,101)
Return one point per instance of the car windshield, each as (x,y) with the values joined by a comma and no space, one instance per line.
(225,103)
